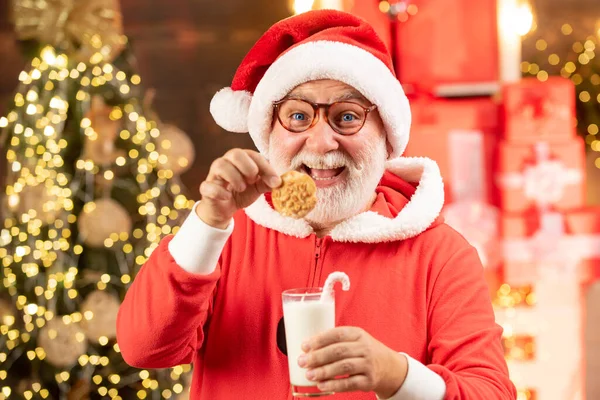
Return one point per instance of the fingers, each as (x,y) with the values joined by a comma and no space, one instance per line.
(267,172)
(262,187)
(214,191)
(331,354)
(345,367)
(335,335)
(238,169)
(350,384)
(244,164)
(224,172)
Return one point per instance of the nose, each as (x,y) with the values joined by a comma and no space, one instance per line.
(322,138)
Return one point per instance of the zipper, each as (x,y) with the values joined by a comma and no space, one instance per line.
(318,244)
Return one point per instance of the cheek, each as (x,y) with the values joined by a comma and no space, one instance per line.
(285,143)
(357,147)
(364,142)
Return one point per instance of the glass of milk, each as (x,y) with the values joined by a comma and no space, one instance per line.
(305,315)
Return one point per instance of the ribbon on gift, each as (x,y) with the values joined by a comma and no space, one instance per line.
(422,100)
(469,214)
(539,110)
(478,223)
(545,181)
(551,250)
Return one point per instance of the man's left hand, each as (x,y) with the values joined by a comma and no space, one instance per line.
(362,363)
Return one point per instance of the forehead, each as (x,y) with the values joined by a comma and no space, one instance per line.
(326,90)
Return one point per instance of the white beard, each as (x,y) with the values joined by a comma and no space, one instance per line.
(349,197)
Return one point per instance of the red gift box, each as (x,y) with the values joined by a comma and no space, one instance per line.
(551,243)
(369,11)
(559,253)
(443,130)
(535,110)
(450,45)
(542,174)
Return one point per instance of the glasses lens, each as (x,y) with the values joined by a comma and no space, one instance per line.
(296,115)
(347,118)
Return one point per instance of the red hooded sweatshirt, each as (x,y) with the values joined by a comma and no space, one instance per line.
(416,285)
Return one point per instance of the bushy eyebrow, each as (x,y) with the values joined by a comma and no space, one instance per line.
(349,95)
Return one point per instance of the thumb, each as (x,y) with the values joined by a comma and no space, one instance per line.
(262,187)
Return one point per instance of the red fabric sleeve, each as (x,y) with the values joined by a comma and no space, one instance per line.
(160,321)
(465,346)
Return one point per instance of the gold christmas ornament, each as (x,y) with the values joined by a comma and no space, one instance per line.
(177,146)
(100,219)
(63,343)
(80,28)
(104,308)
(100,145)
(40,199)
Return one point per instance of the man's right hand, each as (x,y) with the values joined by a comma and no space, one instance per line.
(234,182)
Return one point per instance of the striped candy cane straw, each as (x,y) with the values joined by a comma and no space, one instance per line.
(330,282)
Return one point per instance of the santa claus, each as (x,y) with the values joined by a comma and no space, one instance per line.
(318,95)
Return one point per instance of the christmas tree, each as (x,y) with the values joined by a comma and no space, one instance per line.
(92,187)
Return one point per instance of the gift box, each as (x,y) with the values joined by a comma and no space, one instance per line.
(542,174)
(556,254)
(534,110)
(369,11)
(551,245)
(450,46)
(461,136)
(546,340)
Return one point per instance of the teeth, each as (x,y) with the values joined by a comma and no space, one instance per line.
(310,170)
(321,167)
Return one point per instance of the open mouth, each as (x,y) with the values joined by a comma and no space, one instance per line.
(322,174)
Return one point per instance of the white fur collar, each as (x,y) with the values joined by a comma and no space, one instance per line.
(369,227)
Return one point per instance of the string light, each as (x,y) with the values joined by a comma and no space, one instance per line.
(38,243)
(508,297)
(519,347)
(517,17)
(581,67)
(302,6)
(401,11)
(526,394)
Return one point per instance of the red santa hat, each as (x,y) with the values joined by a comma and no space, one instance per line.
(323,44)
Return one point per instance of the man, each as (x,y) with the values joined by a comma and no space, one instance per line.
(317,93)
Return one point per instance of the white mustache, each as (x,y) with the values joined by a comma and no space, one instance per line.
(330,160)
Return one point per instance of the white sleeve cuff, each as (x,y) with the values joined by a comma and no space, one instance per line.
(197,246)
(421,383)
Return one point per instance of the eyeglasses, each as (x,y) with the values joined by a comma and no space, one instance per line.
(344,117)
